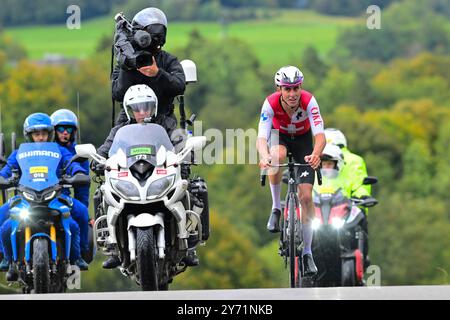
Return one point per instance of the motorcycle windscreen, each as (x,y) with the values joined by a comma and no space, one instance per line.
(140,142)
(340,205)
(38,163)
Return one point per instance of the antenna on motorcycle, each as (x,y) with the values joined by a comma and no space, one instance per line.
(13,141)
(190,73)
(2,159)
(78,116)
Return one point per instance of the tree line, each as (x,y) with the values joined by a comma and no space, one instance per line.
(22,12)
(395,112)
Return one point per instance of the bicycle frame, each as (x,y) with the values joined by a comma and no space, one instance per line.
(291,235)
(291,242)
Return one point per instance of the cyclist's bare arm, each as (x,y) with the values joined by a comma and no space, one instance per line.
(317,128)
(319,144)
(265,125)
(263,150)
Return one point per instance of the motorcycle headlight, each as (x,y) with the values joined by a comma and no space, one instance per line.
(49,195)
(160,186)
(315,223)
(28,196)
(337,223)
(126,189)
(24,214)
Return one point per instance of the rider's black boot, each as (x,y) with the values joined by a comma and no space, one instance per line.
(191,259)
(12,274)
(111,263)
(309,267)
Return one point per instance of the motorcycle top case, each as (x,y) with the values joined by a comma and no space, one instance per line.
(38,163)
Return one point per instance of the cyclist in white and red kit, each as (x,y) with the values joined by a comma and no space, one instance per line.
(290,117)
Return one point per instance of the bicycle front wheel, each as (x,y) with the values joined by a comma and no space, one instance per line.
(294,270)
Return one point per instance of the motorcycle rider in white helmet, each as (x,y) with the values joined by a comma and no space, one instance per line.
(352,174)
(140,104)
(332,162)
(355,169)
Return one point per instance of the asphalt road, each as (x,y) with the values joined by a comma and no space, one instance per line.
(359,293)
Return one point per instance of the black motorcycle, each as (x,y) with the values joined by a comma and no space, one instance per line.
(340,237)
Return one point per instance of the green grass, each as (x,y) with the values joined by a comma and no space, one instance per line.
(278,39)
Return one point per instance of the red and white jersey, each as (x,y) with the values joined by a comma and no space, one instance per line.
(305,118)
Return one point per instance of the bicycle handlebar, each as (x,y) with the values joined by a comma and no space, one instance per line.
(262,178)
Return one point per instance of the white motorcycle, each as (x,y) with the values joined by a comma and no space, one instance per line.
(150,215)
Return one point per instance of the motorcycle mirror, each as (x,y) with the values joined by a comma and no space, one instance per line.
(171,159)
(370,202)
(85,150)
(190,70)
(78,180)
(121,158)
(77,158)
(370,180)
(4,183)
(161,156)
(195,143)
(192,119)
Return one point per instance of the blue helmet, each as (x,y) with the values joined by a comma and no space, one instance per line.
(36,122)
(65,117)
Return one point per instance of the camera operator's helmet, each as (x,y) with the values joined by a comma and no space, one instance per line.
(153,21)
(65,118)
(288,76)
(336,137)
(333,153)
(140,98)
(37,122)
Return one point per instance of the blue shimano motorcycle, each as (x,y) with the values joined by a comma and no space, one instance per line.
(40,214)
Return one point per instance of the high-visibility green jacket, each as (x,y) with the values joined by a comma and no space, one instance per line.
(331,185)
(355,171)
(349,179)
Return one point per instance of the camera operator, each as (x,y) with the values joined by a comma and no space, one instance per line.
(141,60)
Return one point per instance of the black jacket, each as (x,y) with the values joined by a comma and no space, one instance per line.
(167,84)
(103,150)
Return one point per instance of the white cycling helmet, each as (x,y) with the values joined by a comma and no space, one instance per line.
(140,98)
(336,137)
(332,152)
(288,76)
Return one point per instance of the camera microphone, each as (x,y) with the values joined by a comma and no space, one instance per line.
(142,38)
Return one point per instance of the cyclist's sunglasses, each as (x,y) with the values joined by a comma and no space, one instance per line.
(61,129)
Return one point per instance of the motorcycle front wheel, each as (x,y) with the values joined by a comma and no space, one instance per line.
(348,274)
(146,259)
(41,276)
